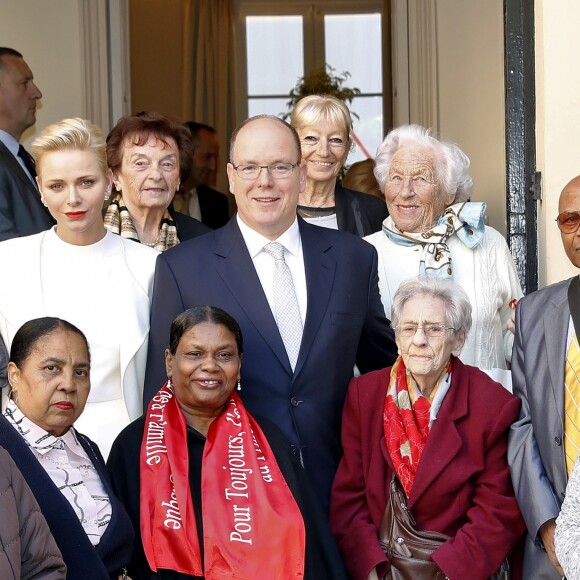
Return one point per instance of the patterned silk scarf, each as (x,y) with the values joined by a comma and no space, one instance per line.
(466,220)
(119,221)
(406,425)
(252,525)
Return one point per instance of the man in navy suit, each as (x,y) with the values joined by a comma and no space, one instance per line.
(21,211)
(335,281)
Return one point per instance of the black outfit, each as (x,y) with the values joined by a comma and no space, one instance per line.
(21,211)
(83,560)
(358,213)
(187,227)
(214,207)
(323,560)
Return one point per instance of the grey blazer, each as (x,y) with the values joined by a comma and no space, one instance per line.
(21,211)
(536,450)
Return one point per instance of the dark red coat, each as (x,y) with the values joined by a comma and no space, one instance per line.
(462,487)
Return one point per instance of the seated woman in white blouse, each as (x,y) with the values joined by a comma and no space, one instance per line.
(81,272)
(49,378)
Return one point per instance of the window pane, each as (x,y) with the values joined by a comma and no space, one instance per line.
(275,54)
(368,128)
(353,44)
(267,106)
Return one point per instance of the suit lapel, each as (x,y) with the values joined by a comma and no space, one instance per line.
(18,173)
(319,266)
(236,269)
(444,441)
(556,320)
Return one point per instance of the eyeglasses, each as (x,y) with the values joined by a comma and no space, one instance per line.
(417,183)
(568,221)
(276,170)
(432,330)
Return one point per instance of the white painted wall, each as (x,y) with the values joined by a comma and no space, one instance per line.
(470,61)
(557,124)
(47,33)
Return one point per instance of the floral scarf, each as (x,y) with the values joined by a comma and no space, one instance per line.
(462,219)
(407,425)
(252,525)
(119,221)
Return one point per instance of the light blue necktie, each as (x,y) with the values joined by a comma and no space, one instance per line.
(287,313)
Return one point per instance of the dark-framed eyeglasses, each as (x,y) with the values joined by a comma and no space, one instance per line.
(276,170)
(431,330)
(568,221)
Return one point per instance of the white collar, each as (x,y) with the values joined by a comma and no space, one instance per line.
(36,437)
(255,241)
(11,143)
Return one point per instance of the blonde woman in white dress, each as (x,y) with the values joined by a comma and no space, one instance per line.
(81,272)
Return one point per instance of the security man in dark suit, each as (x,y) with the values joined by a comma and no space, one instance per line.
(21,211)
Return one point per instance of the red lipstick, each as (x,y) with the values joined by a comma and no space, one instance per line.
(75,215)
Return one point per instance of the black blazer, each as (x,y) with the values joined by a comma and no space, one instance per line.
(21,211)
(215,211)
(358,213)
(323,560)
(187,227)
(345,324)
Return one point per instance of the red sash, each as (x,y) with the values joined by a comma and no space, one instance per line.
(252,525)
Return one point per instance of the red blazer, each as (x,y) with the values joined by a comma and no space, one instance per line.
(462,487)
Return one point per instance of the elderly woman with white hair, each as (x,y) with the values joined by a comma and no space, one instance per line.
(433,229)
(434,431)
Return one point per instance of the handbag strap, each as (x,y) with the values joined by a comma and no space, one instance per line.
(574,303)
(396,510)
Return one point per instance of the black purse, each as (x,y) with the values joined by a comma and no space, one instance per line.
(408,549)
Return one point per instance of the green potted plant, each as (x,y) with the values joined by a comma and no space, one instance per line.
(322,80)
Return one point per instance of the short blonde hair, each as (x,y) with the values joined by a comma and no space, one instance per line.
(68,134)
(313,109)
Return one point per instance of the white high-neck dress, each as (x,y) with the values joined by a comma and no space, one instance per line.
(104,289)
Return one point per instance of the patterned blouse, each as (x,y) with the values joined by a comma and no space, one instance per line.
(567,537)
(71,470)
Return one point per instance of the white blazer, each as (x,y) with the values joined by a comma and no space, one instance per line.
(132,268)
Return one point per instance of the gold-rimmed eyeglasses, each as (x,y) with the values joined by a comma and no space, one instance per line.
(568,221)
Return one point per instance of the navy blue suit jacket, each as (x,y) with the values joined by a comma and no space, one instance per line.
(345,324)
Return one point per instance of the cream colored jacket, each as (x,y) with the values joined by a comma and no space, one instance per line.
(488,275)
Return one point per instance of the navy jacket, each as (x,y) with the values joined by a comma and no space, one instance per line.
(345,324)
(83,560)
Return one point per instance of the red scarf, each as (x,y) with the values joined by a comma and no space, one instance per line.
(406,426)
(252,525)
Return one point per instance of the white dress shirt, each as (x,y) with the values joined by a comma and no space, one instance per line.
(265,264)
(70,469)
